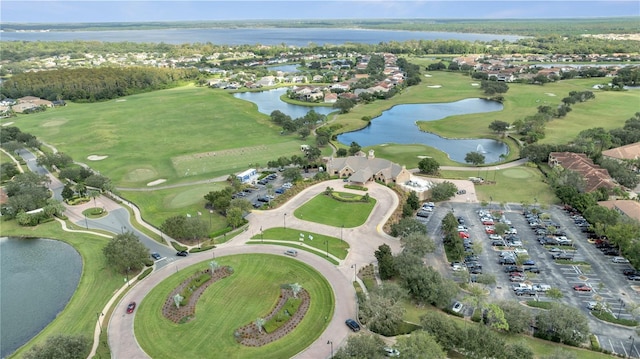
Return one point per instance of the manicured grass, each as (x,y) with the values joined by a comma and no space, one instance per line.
(326,210)
(96,286)
(296,246)
(516,185)
(156,206)
(181,135)
(250,292)
(337,247)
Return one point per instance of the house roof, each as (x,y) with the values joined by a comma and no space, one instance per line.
(594,176)
(364,168)
(627,152)
(628,207)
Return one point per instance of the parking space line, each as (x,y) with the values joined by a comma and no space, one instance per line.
(624,349)
(613,349)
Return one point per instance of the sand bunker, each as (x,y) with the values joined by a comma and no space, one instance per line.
(434,86)
(7,124)
(121,100)
(96,158)
(475,84)
(421,157)
(156,182)
(549,94)
(427,75)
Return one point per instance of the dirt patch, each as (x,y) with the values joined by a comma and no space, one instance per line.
(156,182)
(249,335)
(96,158)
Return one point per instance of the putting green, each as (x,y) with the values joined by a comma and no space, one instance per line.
(516,173)
(186,198)
(250,292)
(140,174)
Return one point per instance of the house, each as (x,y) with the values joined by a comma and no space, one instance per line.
(594,176)
(626,152)
(330,97)
(362,169)
(627,207)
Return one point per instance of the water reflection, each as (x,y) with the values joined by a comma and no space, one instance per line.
(269,101)
(398,125)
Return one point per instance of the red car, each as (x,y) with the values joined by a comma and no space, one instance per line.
(463,234)
(487,222)
(582,288)
(131,307)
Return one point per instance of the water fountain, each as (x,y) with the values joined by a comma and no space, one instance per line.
(480,149)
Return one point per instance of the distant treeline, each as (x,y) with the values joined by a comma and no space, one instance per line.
(93,84)
(524,27)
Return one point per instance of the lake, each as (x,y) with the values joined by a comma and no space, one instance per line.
(251,36)
(398,125)
(269,101)
(37,279)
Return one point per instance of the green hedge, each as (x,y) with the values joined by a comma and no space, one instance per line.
(283,315)
(202,248)
(194,284)
(221,232)
(179,247)
(594,342)
(537,304)
(608,317)
(358,188)
(145,273)
(477,315)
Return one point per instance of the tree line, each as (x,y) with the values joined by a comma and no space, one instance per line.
(93,84)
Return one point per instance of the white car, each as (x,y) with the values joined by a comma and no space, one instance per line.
(457,307)
(520,251)
(619,260)
(541,287)
(495,237)
(390,352)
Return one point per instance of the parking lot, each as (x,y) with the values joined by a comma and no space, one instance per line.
(596,276)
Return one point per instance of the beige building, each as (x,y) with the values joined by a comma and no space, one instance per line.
(362,169)
(627,207)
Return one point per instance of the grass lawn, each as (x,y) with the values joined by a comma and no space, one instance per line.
(520,184)
(251,292)
(337,247)
(156,206)
(295,246)
(96,286)
(326,210)
(181,135)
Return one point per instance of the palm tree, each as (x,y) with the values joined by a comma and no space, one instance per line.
(260,324)
(295,288)
(177,299)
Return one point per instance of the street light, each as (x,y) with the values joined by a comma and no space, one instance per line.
(285,221)
(355,272)
(330,342)
(127,276)
(633,339)
(327,243)
(261,235)
(341,228)
(86,223)
(122,229)
(494,174)
(210,215)
(100,326)
(621,306)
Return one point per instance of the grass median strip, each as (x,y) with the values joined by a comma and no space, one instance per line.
(334,246)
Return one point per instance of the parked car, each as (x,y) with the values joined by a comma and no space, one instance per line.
(582,288)
(529,292)
(156,256)
(352,324)
(131,307)
(517,279)
(182,253)
(263,199)
(509,269)
(630,271)
(423,214)
(619,260)
(592,305)
(457,307)
(633,277)
(541,287)
(532,269)
(390,352)
(280,190)
(529,262)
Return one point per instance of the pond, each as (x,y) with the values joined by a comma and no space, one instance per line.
(289,69)
(398,125)
(37,279)
(269,101)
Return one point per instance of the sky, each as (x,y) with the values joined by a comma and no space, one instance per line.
(61,11)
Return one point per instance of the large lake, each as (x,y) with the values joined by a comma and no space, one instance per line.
(398,125)
(251,36)
(37,279)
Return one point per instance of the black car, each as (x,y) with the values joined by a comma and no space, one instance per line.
(461,220)
(263,199)
(182,253)
(257,205)
(630,271)
(634,277)
(532,269)
(510,269)
(352,324)
(525,292)
(423,214)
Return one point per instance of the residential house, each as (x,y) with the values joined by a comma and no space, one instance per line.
(626,207)
(330,97)
(363,169)
(594,176)
(626,152)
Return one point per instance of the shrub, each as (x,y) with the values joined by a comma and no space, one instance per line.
(194,284)
(283,315)
(358,188)
(595,345)
(221,232)
(608,317)
(476,316)
(145,273)
(202,248)
(537,304)
(179,247)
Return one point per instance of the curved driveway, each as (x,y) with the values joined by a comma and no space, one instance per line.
(363,241)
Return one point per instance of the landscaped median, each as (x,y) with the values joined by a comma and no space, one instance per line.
(325,244)
(338,209)
(252,292)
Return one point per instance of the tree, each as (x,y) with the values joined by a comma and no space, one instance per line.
(354,148)
(304,132)
(125,252)
(429,166)
(381,314)
(234,217)
(413,201)
(560,353)
(563,324)
(260,324)
(418,244)
(363,346)
(420,344)
(443,191)
(481,342)
(344,105)
(518,350)
(386,264)
(495,318)
(406,226)
(499,127)
(517,316)
(94,194)
(426,285)
(295,288)
(61,346)
(8,170)
(475,158)
(291,174)
(67,192)
(26,191)
(444,330)
(342,152)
